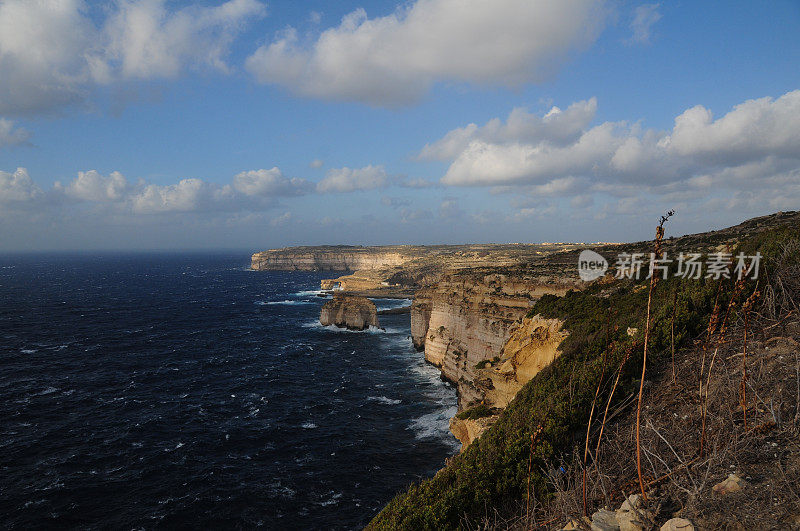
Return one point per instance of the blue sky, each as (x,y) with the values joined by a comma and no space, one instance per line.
(154,124)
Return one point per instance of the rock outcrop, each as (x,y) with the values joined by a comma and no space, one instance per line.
(467,430)
(467,318)
(349,311)
(532,346)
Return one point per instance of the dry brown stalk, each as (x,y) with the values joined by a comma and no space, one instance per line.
(737,289)
(589,424)
(747,308)
(534,436)
(672,329)
(625,359)
(653,281)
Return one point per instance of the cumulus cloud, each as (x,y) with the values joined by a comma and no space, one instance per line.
(352,180)
(248,191)
(53,53)
(756,140)
(91,186)
(395,59)
(644,16)
(10,136)
(269,183)
(316,163)
(185,196)
(17,187)
(557,127)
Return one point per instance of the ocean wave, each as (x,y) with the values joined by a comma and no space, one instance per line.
(384,400)
(310,293)
(316,325)
(308,426)
(285,302)
(435,425)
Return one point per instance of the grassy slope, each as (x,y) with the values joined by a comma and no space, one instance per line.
(494,471)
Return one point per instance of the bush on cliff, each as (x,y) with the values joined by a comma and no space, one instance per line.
(549,415)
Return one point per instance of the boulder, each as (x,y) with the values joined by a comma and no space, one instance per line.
(632,516)
(349,311)
(604,520)
(678,524)
(731,484)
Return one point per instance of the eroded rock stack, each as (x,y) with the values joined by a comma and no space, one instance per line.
(349,311)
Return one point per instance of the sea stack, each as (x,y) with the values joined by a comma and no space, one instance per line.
(349,311)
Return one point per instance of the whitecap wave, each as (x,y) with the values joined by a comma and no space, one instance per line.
(285,302)
(308,426)
(316,325)
(384,400)
(435,425)
(310,293)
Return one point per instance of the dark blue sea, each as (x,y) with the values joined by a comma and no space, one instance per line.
(183,390)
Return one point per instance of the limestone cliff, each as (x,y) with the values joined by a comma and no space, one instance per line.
(339,258)
(467,318)
(349,311)
(467,430)
(532,346)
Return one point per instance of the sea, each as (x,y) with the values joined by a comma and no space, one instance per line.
(182,390)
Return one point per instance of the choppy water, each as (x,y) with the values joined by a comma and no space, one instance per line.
(154,391)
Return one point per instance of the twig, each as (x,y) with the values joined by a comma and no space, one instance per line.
(653,282)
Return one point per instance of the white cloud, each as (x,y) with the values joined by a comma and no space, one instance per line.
(17,187)
(91,186)
(249,191)
(758,138)
(281,220)
(9,136)
(644,17)
(146,40)
(395,59)
(185,196)
(269,183)
(351,180)
(557,127)
(316,163)
(52,53)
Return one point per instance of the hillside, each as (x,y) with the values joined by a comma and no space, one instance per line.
(512,473)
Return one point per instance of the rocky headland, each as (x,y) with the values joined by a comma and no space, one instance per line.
(349,311)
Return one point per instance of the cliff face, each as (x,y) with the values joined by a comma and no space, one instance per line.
(349,311)
(467,318)
(327,259)
(532,346)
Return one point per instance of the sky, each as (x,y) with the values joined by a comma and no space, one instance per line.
(249,124)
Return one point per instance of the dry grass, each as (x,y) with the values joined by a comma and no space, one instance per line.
(766,452)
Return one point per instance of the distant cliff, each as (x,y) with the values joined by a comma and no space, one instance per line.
(333,258)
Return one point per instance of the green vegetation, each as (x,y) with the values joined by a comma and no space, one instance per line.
(478,412)
(494,470)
